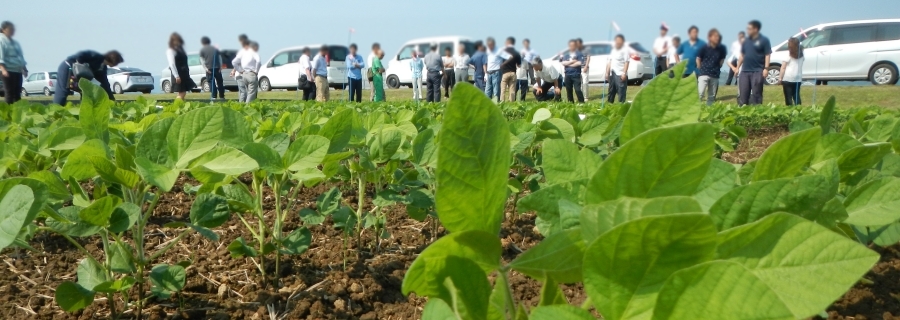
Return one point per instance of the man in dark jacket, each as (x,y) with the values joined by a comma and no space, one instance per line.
(508,70)
(209,55)
(97,63)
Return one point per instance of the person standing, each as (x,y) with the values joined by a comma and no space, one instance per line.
(178,65)
(369,61)
(354,74)
(546,78)
(447,77)
(238,78)
(95,61)
(247,64)
(461,66)
(528,55)
(320,71)
(617,70)
(755,54)
(434,65)
(416,66)
(573,60)
(585,69)
(521,81)
(209,58)
(12,63)
(478,62)
(307,80)
(661,49)
(735,55)
(689,49)
(673,57)
(792,73)
(378,76)
(710,60)
(492,65)
(511,62)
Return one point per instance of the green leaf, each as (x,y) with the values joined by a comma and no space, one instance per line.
(564,163)
(626,267)
(209,210)
(198,131)
(124,217)
(465,288)
(225,160)
(555,128)
(74,226)
(661,162)
(72,297)
(550,293)
(278,142)
(152,145)
(297,242)
(545,202)
(267,158)
(338,130)
(94,112)
(827,115)
(66,138)
(473,163)
(808,266)
(665,102)
(157,175)
(109,172)
(78,164)
(121,259)
(305,153)
(832,145)
(863,157)
(497,304)
(56,188)
(437,309)
(13,213)
(599,218)
(787,156)
(90,274)
(121,285)
(383,143)
(558,257)
(721,178)
(699,293)
(239,248)
(541,115)
(425,148)
(425,275)
(874,203)
(100,211)
(169,278)
(560,312)
(804,196)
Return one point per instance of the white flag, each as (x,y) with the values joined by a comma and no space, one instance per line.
(616,26)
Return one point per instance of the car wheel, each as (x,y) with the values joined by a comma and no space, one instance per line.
(24,93)
(47,92)
(636,82)
(117,88)
(204,85)
(264,84)
(772,75)
(883,74)
(167,86)
(393,82)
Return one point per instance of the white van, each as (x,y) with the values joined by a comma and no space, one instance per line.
(283,70)
(398,71)
(845,51)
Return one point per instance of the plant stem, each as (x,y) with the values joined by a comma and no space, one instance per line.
(510,304)
(277,232)
(138,236)
(169,246)
(261,225)
(361,200)
(104,235)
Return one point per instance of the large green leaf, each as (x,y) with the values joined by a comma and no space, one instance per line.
(158,175)
(74,226)
(111,173)
(225,160)
(721,178)
(94,111)
(384,142)
(863,157)
(545,202)
(557,257)
(198,131)
(100,211)
(209,210)
(665,102)
(78,164)
(597,219)
(875,203)
(297,242)
(465,288)
(13,213)
(560,312)
(39,189)
(787,156)
(65,138)
(626,267)
(170,278)
(425,148)
(426,278)
(437,309)
(124,217)
(267,158)
(473,163)
(338,130)
(90,274)
(806,265)
(661,162)
(832,145)
(716,289)
(307,152)
(152,145)
(562,162)
(804,196)
(72,297)
(827,115)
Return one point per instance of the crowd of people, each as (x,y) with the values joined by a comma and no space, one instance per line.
(505,74)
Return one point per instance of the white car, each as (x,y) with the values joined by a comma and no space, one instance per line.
(125,79)
(398,71)
(867,50)
(283,70)
(639,69)
(39,83)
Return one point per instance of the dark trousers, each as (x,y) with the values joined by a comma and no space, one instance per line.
(449,80)
(479,81)
(310,92)
(355,90)
(61,87)
(791,93)
(617,86)
(751,88)
(521,89)
(12,85)
(433,87)
(661,64)
(730,73)
(217,86)
(573,82)
(546,94)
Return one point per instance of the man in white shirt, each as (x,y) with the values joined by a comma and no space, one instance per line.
(661,49)
(585,69)
(307,82)
(461,65)
(546,78)
(735,56)
(247,64)
(494,60)
(320,71)
(242,88)
(616,70)
(370,61)
(528,55)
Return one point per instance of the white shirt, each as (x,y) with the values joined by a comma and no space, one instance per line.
(246,60)
(661,46)
(793,71)
(735,50)
(370,60)
(493,59)
(528,55)
(305,66)
(547,74)
(461,61)
(672,55)
(522,72)
(170,57)
(617,60)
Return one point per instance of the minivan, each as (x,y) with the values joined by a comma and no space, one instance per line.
(845,51)
(198,74)
(283,69)
(398,71)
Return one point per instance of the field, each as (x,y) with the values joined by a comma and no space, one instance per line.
(459,210)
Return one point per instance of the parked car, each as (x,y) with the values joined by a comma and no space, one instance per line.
(125,79)
(283,69)
(398,71)
(39,83)
(198,74)
(845,51)
(639,69)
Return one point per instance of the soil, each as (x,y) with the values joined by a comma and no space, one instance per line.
(757,141)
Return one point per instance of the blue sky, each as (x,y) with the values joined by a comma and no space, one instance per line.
(140,29)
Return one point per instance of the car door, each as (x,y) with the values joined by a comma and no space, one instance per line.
(30,82)
(816,58)
(196,68)
(278,73)
(402,69)
(852,52)
(599,59)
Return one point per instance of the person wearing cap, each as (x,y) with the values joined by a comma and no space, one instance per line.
(661,49)
(433,65)
(546,78)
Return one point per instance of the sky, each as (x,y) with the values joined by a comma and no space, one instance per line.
(140,29)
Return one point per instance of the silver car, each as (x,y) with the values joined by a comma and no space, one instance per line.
(39,83)
(125,79)
(198,74)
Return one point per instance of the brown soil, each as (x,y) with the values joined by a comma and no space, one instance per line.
(876,298)
(757,141)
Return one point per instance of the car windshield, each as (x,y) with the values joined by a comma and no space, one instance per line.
(470,47)
(131,70)
(338,53)
(52,75)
